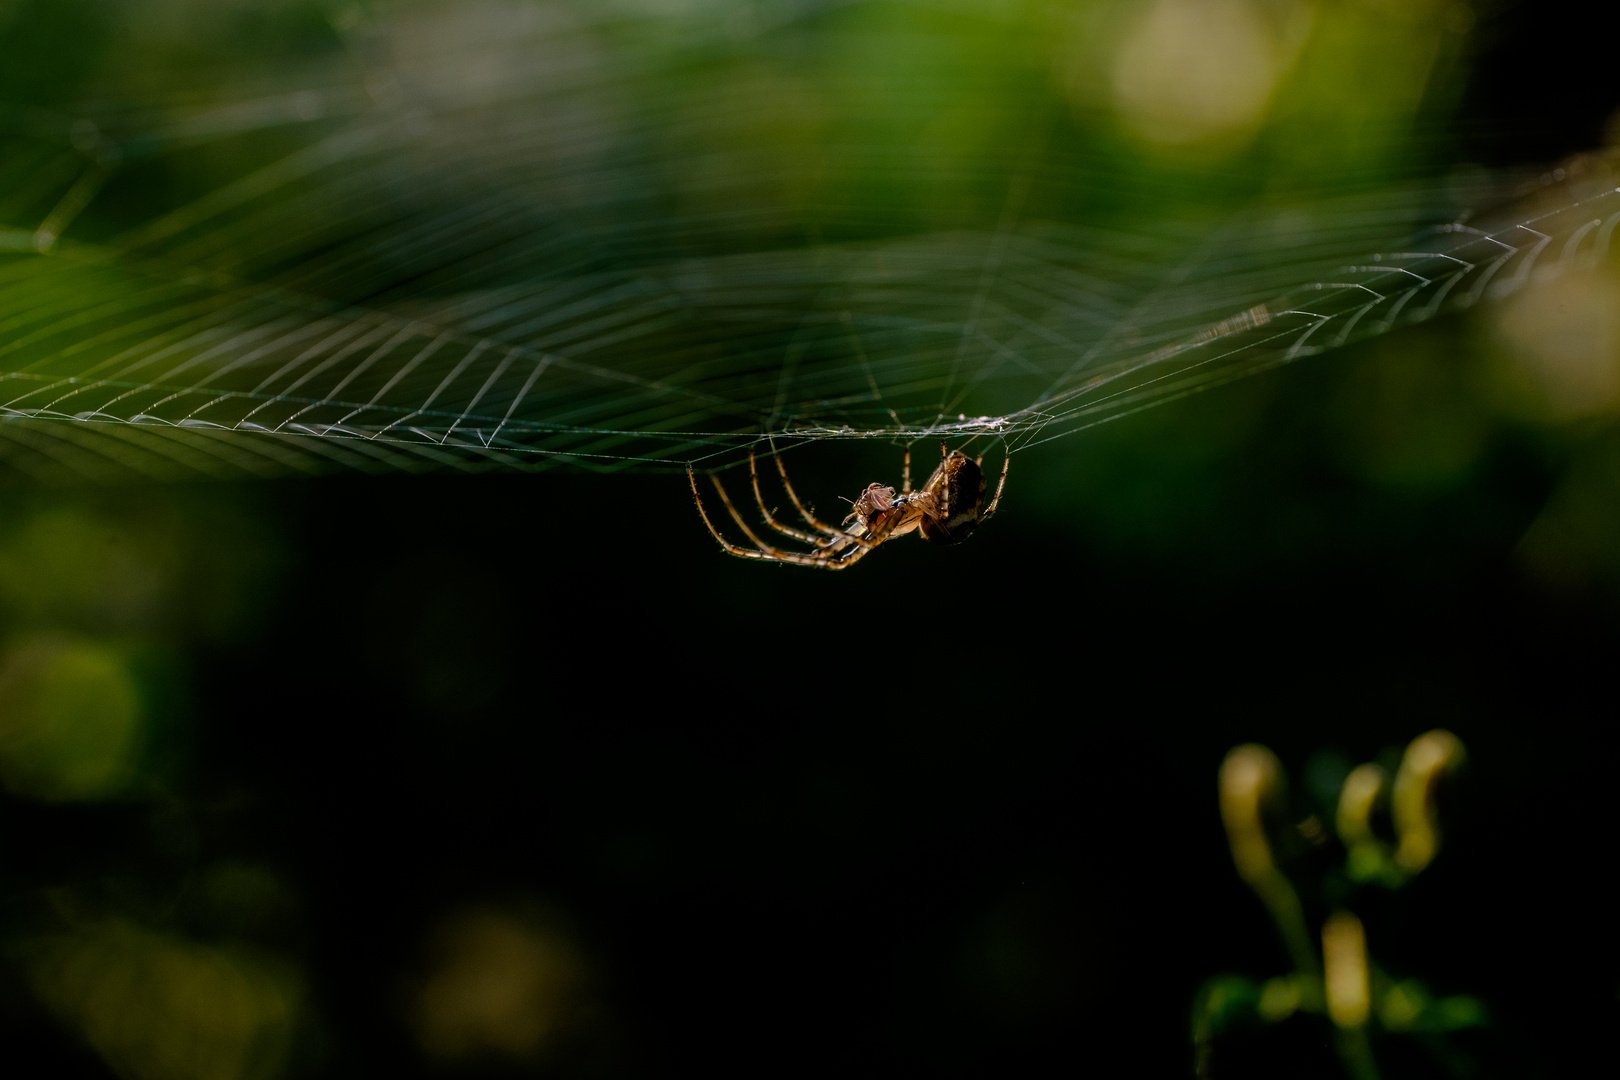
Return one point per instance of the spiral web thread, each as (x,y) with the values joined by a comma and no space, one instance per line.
(477,273)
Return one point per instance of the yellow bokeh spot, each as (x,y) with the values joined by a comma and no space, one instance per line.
(1279,998)
(1428,760)
(502,986)
(71,724)
(159,1007)
(1194,71)
(1356,801)
(1562,342)
(1344,962)
(1402,1005)
(1249,780)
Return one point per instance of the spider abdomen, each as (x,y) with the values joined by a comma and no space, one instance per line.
(957,488)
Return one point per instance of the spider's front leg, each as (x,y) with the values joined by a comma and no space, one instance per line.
(836,539)
(761,550)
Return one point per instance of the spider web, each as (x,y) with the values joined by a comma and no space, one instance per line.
(520,237)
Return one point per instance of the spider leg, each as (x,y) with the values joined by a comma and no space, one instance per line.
(738,518)
(838,538)
(849,558)
(1002,483)
(704,514)
(764,551)
(786,530)
(905,473)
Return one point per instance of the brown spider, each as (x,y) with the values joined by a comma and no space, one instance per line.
(945,510)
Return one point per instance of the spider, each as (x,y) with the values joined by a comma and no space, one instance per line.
(945,510)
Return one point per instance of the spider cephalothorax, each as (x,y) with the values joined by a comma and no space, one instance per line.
(945,510)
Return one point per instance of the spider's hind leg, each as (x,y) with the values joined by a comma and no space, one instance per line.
(995,500)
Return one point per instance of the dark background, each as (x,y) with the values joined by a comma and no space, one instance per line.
(952,813)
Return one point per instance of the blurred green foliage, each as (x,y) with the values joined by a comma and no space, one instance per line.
(1389,829)
(73,723)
